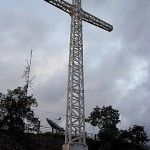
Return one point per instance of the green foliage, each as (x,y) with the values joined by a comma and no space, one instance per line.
(108,134)
(138,135)
(135,136)
(17,106)
(104,117)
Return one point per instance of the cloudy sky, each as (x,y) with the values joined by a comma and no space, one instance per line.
(116,64)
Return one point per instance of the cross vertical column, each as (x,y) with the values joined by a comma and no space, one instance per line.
(75,118)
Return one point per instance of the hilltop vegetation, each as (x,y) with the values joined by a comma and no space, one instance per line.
(106,119)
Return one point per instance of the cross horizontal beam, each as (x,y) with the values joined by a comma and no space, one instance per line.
(96,21)
(65,6)
(68,8)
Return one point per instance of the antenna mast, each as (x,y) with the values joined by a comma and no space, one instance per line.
(27,74)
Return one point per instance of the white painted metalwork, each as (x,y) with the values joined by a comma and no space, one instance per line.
(75,118)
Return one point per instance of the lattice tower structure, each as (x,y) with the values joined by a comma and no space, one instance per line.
(75,112)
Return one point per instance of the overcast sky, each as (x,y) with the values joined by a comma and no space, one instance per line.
(116,64)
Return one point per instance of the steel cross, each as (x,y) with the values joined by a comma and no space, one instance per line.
(75,115)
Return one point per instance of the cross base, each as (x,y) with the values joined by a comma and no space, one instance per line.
(75,146)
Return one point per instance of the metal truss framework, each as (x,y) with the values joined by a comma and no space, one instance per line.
(75,115)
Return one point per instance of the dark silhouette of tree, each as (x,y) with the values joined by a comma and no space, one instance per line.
(106,119)
(137,137)
(17,106)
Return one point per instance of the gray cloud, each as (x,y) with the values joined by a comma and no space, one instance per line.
(116,64)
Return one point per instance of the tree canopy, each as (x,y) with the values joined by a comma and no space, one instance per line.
(138,135)
(135,137)
(17,106)
(106,119)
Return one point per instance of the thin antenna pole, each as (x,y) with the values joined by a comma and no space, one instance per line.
(27,73)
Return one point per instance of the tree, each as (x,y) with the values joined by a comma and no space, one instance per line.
(17,105)
(106,119)
(137,135)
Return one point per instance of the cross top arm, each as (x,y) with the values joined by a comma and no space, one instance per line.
(67,7)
